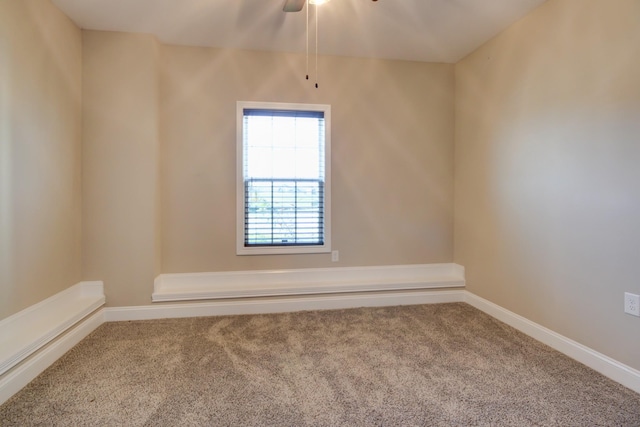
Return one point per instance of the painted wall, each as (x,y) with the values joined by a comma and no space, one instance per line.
(40,169)
(392,156)
(546,154)
(140,101)
(547,219)
(121,164)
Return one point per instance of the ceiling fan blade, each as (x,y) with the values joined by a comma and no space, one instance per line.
(293,5)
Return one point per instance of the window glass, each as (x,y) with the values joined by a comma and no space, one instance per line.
(284,189)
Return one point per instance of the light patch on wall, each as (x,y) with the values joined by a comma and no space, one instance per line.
(5,179)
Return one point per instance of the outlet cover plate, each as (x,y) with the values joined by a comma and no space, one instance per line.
(632,304)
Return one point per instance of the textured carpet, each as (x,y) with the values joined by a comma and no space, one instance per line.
(431,365)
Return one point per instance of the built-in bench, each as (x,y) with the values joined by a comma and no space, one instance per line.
(25,332)
(268,283)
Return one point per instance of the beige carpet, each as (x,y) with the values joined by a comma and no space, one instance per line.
(433,365)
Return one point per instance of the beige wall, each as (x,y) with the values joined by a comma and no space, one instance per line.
(121,162)
(546,153)
(547,218)
(392,178)
(40,120)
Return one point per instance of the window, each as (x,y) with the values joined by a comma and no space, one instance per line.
(283,182)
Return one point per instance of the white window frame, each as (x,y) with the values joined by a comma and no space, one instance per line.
(241,249)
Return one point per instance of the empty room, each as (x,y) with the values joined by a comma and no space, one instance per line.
(320,212)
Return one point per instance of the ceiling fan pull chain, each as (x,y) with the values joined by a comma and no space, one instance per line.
(307,8)
(317,13)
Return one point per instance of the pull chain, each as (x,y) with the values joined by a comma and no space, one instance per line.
(307,8)
(317,13)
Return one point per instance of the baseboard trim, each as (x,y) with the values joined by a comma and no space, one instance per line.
(281,304)
(312,281)
(25,372)
(619,372)
(27,331)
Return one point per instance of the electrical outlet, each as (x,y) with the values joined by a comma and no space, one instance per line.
(335,256)
(632,304)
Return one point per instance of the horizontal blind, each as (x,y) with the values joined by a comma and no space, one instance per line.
(284,173)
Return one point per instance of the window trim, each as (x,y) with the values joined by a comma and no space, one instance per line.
(240,191)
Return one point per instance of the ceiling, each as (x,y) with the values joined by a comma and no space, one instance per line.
(417,30)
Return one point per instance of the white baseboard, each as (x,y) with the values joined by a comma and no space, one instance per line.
(25,332)
(23,374)
(312,281)
(31,366)
(281,304)
(32,339)
(619,372)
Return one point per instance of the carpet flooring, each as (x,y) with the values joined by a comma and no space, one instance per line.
(428,365)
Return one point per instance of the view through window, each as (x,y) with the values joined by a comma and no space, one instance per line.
(284,178)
